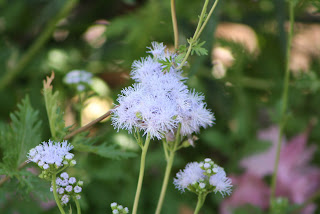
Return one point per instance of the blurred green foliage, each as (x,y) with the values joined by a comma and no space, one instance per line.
(245,100)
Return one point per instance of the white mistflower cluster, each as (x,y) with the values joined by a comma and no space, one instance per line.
(203,177)
(159,100)
(118,209)
(68,187)
(52,155)
(79,78)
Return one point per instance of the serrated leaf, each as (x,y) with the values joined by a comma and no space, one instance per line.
(167,63)
(55,115)
(198,49)
(20,136)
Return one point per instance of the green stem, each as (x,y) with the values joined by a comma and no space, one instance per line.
(284,100)
(55,194)
(142,166)
(165,182)
(77,205)
(165,149)
(37,45)
(168,170)
(207,19)
(199,29)
(201,199)
(175,25)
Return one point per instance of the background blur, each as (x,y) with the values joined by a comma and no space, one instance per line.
(241,78)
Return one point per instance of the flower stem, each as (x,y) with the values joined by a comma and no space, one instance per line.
(201,25)
(55,194)
(142,166)
(170,160)
(201,199)
(37,45)
(165,182)
(77,205)
(284,100)
(175,25)
(207,19)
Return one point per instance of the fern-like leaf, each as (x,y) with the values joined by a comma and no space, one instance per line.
(55,115)
(20,136)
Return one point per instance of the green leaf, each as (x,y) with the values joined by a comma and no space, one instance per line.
(20,136)
(104,149)
(167,63)
(197,47)
(55,115)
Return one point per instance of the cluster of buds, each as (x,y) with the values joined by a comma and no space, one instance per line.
(118,209)
(67,187)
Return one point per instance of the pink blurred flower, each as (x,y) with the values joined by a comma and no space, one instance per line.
(296,180)
(250,190)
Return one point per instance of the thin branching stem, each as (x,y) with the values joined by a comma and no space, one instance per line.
(284,100)
(207,19)
(175,24)
(141,174)
(201,25)
(55,194)
(89,125)
(170,160)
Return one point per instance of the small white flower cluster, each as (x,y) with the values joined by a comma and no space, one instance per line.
(159,100)
(79,78)
(118,209)
(68,187)
(52,155)
(203,177)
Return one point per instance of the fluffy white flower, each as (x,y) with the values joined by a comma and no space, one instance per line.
(221,183)
(157,49)
(49,153)
(193,114)
(160,100)
(191,174)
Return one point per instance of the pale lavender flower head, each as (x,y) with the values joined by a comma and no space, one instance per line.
(193,114)
(50,153)
(190,175)
(221,182)
(160,100)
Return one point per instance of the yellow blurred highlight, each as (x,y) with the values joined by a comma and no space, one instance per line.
(94,108)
